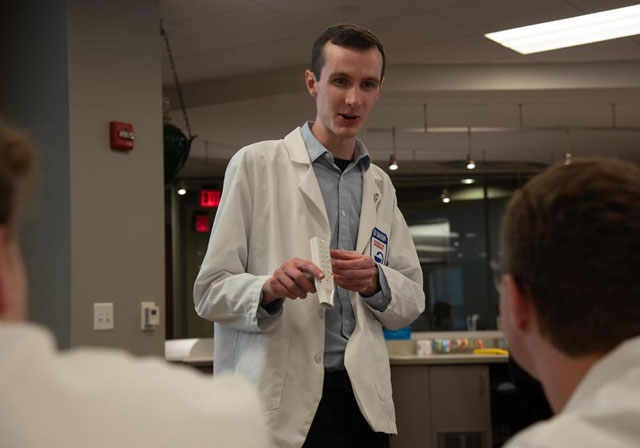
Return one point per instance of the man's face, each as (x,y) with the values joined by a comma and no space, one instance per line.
(348,88)
(13,284)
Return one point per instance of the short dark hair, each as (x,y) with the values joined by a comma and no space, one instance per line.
(344,35)
(17,173)
(571,239)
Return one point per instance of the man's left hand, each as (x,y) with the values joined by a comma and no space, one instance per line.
(355,272)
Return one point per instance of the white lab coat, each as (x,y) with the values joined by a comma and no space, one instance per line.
(270,208)
(106,398)
(603,411)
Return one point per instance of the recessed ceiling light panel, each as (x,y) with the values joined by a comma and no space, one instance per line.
(570,32)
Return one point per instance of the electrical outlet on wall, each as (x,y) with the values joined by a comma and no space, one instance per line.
(103,316)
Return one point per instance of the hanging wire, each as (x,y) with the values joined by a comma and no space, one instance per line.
(164,35)
(424,114)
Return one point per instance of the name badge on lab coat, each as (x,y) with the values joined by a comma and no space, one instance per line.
(378,246)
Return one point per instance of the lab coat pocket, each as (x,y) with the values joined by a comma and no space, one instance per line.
(262,358)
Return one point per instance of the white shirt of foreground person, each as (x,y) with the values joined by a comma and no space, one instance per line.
(105,398)
(271,207)
(603,411)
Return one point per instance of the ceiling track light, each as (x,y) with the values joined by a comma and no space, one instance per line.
(568,158)
(445,196)
(182,189)
(471,164)
(393,161)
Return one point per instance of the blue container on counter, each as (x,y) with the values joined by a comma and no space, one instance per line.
(402,333)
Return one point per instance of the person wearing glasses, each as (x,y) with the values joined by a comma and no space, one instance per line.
(570,300)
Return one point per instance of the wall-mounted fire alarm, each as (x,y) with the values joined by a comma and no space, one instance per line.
(121,136)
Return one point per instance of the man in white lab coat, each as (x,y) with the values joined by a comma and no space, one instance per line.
(323,374)
(98,397)
(570,300)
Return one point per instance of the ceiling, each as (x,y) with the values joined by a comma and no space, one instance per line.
(241,65)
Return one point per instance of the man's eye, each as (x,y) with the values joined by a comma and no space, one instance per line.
(369,85)
(340,81)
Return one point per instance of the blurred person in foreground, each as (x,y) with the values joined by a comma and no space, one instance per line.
(97,397)
(570,300)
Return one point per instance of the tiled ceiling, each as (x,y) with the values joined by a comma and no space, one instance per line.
(226,39)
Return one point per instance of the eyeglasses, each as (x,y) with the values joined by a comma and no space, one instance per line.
(498,273)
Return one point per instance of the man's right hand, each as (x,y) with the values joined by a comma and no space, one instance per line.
(291,281)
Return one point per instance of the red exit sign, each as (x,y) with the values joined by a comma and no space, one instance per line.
(209,198)
(203,223)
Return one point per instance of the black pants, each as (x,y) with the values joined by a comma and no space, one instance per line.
(338,422)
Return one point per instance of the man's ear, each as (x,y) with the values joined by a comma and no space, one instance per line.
(520,305)
(311,82)
(380,89)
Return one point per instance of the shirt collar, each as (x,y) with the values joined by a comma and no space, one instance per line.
(317,149)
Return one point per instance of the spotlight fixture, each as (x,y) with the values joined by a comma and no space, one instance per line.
(471,164)
(568,158)
(468,181)
(393,163)
(182,191)
(445,196)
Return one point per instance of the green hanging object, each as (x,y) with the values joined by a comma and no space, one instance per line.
(176,150)
(176,144)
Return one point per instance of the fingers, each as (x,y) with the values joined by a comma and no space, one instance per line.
(352,264)
(337,254)
(307,266)
(291,280)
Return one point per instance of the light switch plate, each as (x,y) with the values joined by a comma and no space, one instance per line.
(103,316)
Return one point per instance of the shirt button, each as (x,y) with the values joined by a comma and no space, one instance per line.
(327,155)
(318,358)
(343,213)
(347,322)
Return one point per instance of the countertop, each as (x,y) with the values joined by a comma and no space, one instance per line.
(199,352)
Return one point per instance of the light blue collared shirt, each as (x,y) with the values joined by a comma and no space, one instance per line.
(342,194)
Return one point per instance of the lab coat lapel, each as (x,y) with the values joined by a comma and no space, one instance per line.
(371,197)
(310,188)
(308,184)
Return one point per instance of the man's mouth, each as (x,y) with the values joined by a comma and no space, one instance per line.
(349,117)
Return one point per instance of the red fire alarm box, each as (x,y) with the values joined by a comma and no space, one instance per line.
(210,198)
(121,136)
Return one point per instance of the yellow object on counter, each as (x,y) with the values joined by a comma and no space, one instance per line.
(491,351)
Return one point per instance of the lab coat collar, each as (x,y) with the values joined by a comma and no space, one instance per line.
(372,194)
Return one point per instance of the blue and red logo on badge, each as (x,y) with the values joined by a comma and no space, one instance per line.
(379,245)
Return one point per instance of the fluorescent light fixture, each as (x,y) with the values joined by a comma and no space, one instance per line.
(579,30)
(468,181)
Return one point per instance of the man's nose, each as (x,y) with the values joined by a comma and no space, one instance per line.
(353,97)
